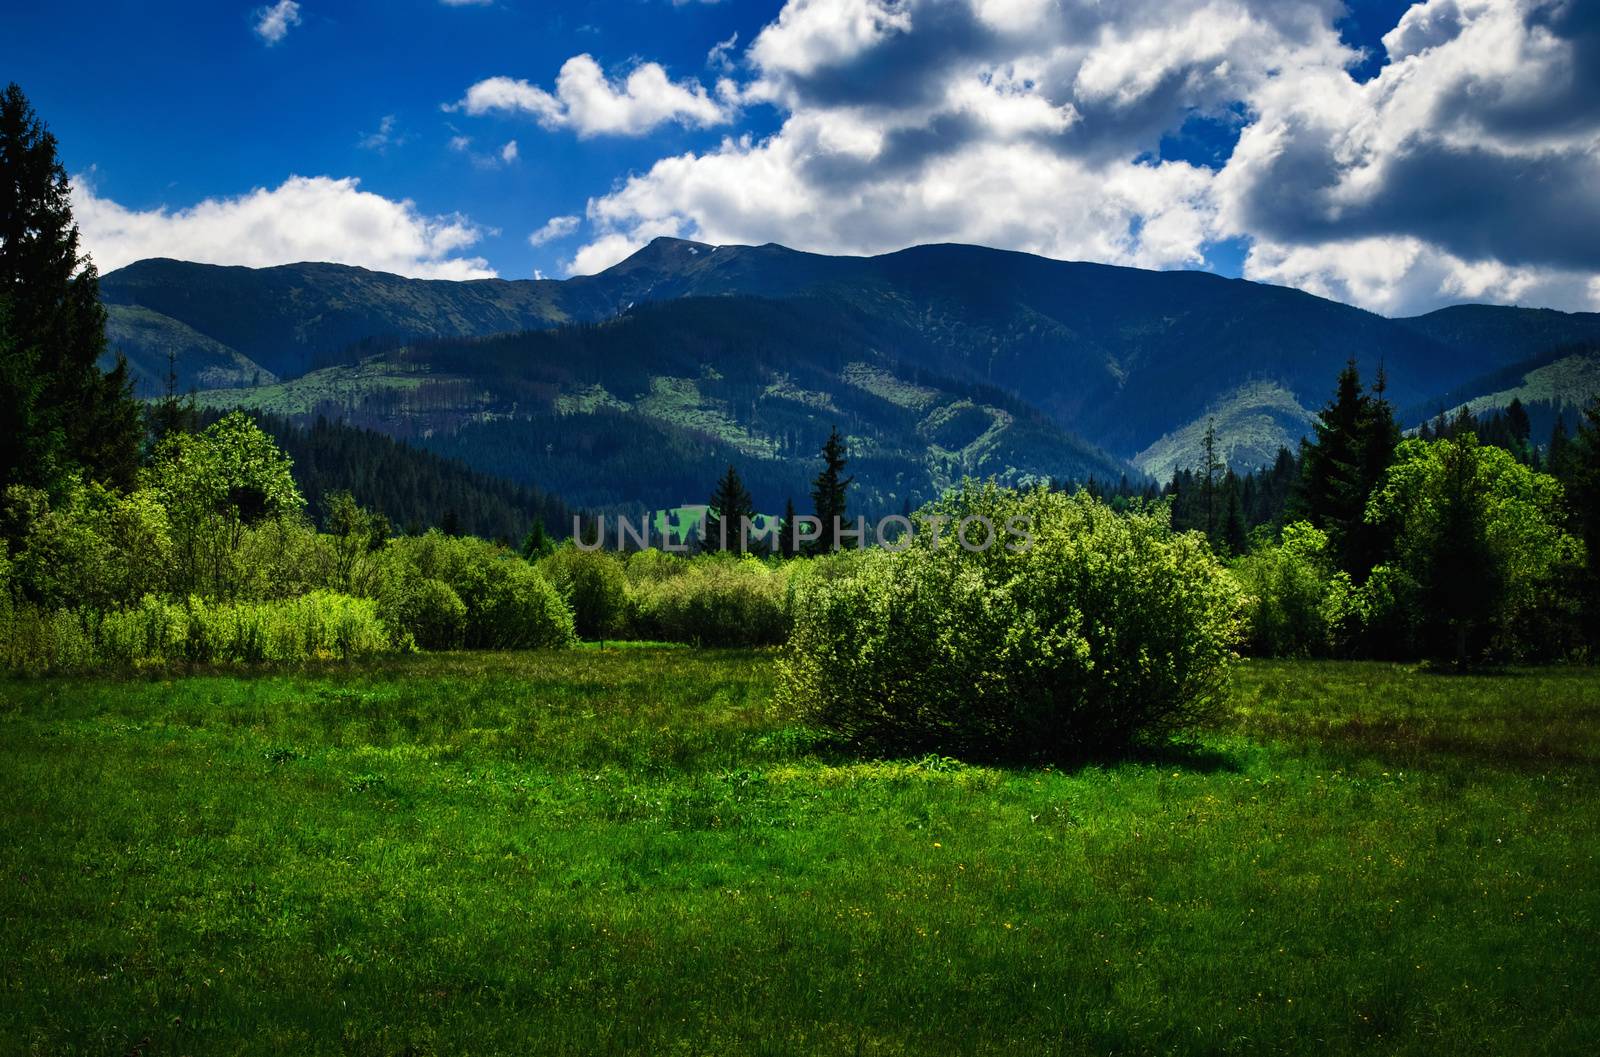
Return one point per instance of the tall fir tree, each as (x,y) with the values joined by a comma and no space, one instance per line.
(62,412)
(730,505)
(786,544)
(1346,458)
(1583,494)
(1211,470)
(829,492)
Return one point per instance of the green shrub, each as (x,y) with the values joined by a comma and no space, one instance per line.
(426,611)
(1108,630)
(318,626)
(508,604)
(716,600)
(594,585)
(1299,604)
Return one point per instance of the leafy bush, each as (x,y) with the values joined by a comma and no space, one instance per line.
(716,600)
(318,626)
(1108,630)
(508,604)
(426,611)
(1298,603)
(594,585)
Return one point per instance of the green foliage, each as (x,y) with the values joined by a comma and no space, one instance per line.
(726,514)
(716,600)
(1482,562)
(424,611)
(1107,631)
(318,626)
(509,605)
(1299,602)
(594,585)
(215,485)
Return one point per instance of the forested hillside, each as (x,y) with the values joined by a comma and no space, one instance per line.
(1133,362)
(415,490)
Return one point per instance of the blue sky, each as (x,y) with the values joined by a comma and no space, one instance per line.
(1378,152)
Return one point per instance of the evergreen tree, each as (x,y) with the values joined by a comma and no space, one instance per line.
(829,490)
(786,545)
(61,410)
(730,504)
(1583,486)
(1233,532)
(1211,468)
(1353,445)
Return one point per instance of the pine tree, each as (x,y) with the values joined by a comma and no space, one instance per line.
(1211,468)
(829,492)
(1583,485)
(1233,533)
(61,410)
(1354,442)
(786,545)
(1521,427)
(730,504)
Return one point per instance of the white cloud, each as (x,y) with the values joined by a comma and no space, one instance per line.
(303,219)
(1467,169)
(554,228)
(385,137)
(274,22)
(720,55)
(590,104)
(508,153)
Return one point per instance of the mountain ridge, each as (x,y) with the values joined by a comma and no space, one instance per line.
(1126,360)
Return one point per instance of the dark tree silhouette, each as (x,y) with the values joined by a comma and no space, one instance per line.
(61,411)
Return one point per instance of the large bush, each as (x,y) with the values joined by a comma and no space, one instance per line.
(508,604)
(1107,630)
(594,585)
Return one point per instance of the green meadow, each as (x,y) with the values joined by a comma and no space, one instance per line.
(632,851)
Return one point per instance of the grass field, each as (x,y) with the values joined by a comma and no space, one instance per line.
(629,852)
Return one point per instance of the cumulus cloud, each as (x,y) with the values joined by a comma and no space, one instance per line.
(303,219)
(1026,124)
(554,228)
(508,153)
(1465,170)
(589,103)
(274,22)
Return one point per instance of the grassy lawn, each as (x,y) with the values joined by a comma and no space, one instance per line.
(627,851)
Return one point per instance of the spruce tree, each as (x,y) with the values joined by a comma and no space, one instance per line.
(729,505)
(1233,533)
(62,412)
(786,545)
(829,490)
(1353,444)
(1583,488)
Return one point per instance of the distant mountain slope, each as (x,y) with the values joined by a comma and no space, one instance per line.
(414,489)
(147,337)
(1129,360)
(647,409)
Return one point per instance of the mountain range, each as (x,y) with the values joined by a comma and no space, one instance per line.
(636,385)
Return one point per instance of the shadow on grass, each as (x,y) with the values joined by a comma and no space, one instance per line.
(1177,754)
